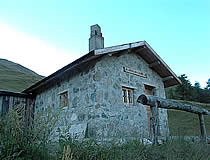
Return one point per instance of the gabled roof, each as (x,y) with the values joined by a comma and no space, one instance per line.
(142,48)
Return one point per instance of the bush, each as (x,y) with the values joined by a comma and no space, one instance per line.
(173,149)
(21,140)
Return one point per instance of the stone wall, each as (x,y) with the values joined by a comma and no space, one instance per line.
(95,98)
(123,119)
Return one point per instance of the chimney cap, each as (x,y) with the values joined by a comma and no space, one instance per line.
(95,30)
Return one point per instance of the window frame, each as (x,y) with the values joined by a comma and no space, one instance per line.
(63,99)
(151,88)
(128,95)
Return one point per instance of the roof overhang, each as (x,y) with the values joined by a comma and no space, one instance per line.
(150,56)
(15,94)
(142,48)
(157,64)
(66,68)
(118,48)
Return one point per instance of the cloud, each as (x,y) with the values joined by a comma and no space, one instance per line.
(31,52)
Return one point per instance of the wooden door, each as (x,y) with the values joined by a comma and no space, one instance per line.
(148,91)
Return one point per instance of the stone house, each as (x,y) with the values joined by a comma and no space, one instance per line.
(98,92)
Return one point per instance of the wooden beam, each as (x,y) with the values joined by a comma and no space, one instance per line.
(167,78)
(151,65)
(162,62)
(140,49)
(154,124)
(202,128)
(164,103)
(118,48)
(157,102)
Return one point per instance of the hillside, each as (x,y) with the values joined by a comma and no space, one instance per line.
(15,77)
(185,123)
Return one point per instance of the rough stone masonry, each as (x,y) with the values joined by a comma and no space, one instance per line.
(95,98)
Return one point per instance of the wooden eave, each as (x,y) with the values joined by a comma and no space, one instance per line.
(158,65)
(15,94)
(76,63)
(142,48)
(150,56)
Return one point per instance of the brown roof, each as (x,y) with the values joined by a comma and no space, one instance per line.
(142,48)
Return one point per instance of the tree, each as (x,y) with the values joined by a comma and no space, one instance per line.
(184,90)
(171,92)
(205,96)
(197,85)
(208,84)
(196,92)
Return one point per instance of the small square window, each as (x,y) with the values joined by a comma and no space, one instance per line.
(127,94)
(64,99)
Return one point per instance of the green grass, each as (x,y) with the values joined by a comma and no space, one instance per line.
(135,150)
(19,142)
(14,77)
(185,123)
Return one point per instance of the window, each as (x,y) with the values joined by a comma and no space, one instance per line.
(127,94)
(64,99)
(149,90)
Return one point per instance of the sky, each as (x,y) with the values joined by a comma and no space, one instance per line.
(45,35)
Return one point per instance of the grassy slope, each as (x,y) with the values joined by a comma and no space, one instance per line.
(14,77)
(184,123)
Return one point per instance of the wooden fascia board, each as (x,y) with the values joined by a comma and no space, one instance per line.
(154,64)
(167,78)
(164,64)
(118,48)
(15,94)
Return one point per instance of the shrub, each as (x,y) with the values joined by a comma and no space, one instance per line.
(173,149)
(19,140)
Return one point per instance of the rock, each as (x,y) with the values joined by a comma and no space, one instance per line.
(75,90)
(77,131)
(75,102)
(93,97)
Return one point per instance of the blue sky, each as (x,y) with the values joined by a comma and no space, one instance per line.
(45,35)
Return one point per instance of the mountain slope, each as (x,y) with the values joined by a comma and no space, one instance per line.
(15,77)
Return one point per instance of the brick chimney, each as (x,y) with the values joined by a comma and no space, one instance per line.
(96,41)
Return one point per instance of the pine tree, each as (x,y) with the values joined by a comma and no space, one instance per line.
(197,92)
(184,91)
(208,84)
